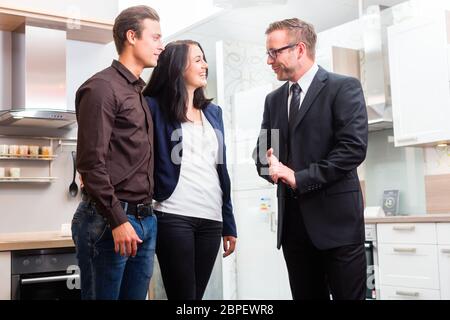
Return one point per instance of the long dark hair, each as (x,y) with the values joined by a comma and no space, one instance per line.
(167,83)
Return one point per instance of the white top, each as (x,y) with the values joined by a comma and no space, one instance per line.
(198,192)
(304,83)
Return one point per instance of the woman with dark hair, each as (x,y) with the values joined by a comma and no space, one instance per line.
(192,186)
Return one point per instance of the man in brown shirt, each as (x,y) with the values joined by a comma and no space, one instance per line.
(115,160)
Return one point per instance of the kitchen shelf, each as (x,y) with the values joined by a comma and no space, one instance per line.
(81,30)
(44,159)
(28,179)
(27,157)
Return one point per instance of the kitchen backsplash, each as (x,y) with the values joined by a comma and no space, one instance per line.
(420,174)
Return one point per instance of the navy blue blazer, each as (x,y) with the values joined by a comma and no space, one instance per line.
(167,173)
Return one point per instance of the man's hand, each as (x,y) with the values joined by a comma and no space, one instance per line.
(229,243)
(271,158)
(278,171)
(125,240)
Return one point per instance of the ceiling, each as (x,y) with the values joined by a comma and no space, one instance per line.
(249,24)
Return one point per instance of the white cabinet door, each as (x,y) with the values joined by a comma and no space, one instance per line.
(444,271)
(420,80)
(5,275)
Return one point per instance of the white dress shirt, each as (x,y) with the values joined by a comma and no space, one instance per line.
(304,83)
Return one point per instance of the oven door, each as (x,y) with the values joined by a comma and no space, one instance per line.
(45,286)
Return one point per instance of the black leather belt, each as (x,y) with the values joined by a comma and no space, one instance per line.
(139,210)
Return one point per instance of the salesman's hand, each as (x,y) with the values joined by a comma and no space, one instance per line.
(281,172)
(229,243)
(125,239)
(271,158)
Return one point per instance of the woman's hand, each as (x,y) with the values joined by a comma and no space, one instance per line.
(229,243)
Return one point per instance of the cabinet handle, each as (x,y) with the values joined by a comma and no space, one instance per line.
(405,250)
(406,139)
(50,279)
(403,228)
(447,251)
(407,293)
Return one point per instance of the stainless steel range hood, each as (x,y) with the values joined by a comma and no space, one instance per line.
(375,68)
(38,79)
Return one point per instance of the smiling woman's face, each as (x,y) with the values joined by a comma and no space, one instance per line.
(196,70)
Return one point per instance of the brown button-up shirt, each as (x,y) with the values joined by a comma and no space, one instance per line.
(115,141)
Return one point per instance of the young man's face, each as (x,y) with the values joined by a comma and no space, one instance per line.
(148,47)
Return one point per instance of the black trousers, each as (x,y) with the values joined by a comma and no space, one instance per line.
(314,273)
(187,248)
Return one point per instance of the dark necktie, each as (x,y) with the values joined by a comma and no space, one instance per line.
(293,110)
(295,101)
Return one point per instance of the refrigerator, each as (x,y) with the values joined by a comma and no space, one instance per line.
(260,267)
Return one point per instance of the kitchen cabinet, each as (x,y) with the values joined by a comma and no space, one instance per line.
(414,260)
(340,60)
(5,275)
(419,71)
(443,231)
(102,10)
(83,29)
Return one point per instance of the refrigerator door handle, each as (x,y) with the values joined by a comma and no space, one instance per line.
(273,221)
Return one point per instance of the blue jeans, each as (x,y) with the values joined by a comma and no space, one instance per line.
(106,275)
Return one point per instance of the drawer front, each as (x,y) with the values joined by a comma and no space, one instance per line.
(420,233)
(444,271)
(443,233)
(400,293)
(413,266)
(371,232)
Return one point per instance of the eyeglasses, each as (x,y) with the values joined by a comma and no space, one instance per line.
(273,53)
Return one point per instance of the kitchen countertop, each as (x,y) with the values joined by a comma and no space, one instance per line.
(410,219)
(34,240)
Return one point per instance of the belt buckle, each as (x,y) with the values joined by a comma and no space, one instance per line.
(142,210)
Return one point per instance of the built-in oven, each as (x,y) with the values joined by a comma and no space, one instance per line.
(47,274)
(372,261)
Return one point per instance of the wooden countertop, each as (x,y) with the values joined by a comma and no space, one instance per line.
(410,219)
(34,240)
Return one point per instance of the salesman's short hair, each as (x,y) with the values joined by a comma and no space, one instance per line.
(299,30)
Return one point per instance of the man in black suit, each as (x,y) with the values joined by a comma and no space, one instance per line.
(313,137)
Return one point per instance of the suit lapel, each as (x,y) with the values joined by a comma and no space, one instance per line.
(283,110)
(316,86)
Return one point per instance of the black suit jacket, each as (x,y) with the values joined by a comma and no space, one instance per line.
(328,143)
